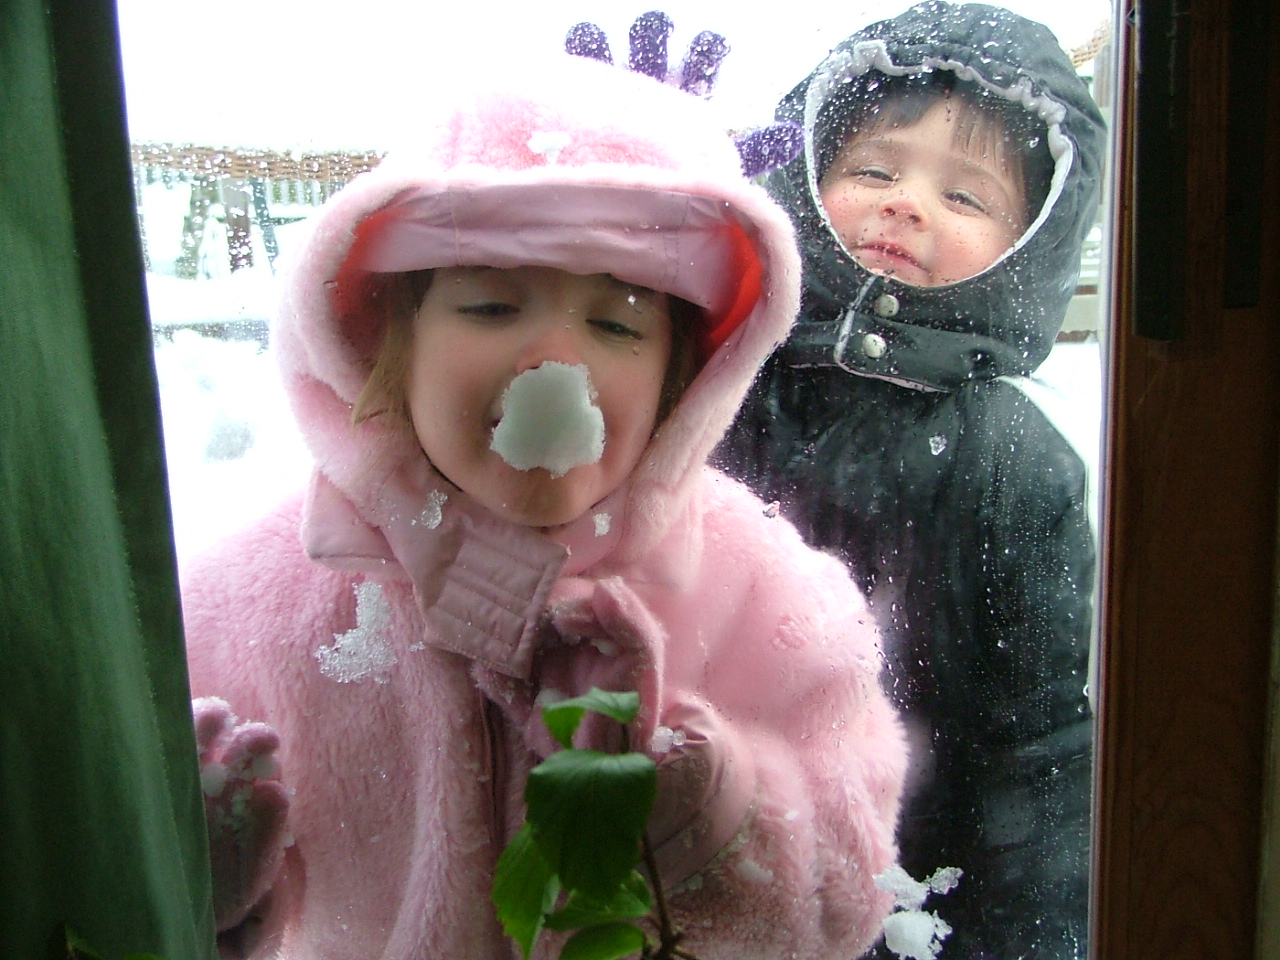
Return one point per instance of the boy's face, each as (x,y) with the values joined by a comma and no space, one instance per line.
(913,203)
(479,327)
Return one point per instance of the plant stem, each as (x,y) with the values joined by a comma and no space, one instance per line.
(668,937)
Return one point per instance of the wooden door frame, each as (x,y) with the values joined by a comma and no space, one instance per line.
(1189,550)
(1193,447)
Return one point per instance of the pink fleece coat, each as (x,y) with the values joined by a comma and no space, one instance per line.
(396,635)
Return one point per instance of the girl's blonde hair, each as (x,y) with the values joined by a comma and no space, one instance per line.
(395,302)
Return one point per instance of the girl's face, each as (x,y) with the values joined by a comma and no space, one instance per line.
(480,327)
(918,204)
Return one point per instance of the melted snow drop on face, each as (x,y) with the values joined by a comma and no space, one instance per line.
(550,420)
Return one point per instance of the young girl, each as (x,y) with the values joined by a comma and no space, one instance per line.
(949,179)
(511,349)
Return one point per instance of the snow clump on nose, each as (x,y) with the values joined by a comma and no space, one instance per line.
(550,420)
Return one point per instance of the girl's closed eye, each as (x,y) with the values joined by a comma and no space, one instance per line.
(614,329)
(491,310)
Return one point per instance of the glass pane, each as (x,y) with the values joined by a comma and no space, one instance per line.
(246,116)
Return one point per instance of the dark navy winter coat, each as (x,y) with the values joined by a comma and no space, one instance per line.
(892,429)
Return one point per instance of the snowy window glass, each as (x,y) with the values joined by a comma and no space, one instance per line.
(934,420)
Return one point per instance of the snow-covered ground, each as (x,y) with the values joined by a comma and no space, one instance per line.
(233,450)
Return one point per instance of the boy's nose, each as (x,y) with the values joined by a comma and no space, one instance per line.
(553,339)
(904,203)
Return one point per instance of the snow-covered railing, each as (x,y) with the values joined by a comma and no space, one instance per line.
(250,184)
(245,163)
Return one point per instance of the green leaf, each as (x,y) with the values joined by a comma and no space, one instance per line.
(609,941)
(524,889)
(563,721)
(631,899)
(562,718)
(620,705)
(78,948)
(588,811)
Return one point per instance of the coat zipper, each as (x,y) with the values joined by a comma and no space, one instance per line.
(492,721)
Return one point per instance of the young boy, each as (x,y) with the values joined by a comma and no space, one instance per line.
(948,181)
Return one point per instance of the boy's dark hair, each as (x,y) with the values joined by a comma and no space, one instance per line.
(877,100)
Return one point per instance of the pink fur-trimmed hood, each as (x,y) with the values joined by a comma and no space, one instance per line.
(584,167)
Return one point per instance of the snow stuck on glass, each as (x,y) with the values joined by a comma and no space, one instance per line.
(915,934)
(550,420)
(912,933)
(363,651)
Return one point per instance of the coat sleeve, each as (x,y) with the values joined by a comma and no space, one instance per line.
(1013,730)
(793,760)
(245,603)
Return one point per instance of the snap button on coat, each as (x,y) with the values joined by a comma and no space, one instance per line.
(886,305)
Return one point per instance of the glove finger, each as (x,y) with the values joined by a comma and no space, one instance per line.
(211,716)
(247,837)
(624,617)
(249,751)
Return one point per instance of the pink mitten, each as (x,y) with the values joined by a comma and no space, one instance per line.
(245,807)
(606,637)
(603,636)
(706,781)
(598,634)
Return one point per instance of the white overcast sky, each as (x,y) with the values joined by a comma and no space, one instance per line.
(307,74)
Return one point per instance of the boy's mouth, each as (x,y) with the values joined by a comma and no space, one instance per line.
(887,256)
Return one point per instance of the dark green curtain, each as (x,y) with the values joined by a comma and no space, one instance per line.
(100,813)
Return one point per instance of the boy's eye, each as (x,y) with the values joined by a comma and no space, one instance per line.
(967,199)
(874,173)
(612,328)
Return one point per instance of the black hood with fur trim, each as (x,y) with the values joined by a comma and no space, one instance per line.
(1002,321)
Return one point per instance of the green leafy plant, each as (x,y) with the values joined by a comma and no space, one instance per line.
(78,949)
(573,865)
